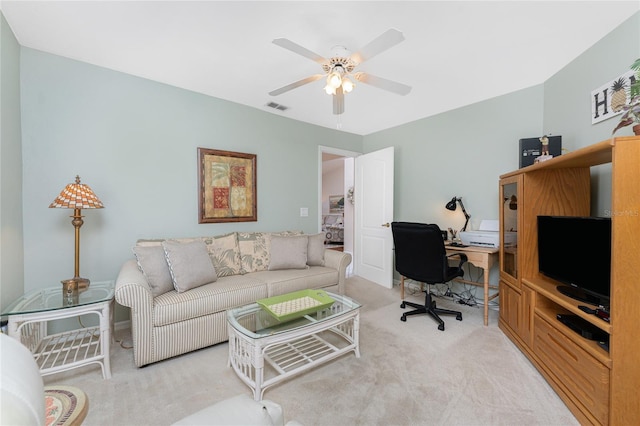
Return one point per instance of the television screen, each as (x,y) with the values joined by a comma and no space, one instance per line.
(577,252)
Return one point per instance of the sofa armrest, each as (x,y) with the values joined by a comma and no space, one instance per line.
(338,260)
(133,290)
(132,287)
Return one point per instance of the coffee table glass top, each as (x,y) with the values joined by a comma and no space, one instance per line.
(253,321)
(51,299)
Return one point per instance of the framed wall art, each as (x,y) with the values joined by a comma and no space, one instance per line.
(336,203)
(226,186)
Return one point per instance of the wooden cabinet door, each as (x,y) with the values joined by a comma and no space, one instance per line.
(510,306)
(510,222)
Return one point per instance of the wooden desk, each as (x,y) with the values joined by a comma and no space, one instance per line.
(481,257)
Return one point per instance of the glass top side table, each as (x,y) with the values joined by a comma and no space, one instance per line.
(28,317)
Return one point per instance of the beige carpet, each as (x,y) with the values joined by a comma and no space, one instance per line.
(408,374)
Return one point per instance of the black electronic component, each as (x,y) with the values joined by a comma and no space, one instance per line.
(584,268)
(583,327)
(531,148)
(587,309)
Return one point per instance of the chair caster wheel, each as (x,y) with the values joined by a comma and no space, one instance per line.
(402,305)
(459,317)
(403,318)
(441,327)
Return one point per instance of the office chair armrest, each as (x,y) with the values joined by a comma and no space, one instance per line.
(463,258)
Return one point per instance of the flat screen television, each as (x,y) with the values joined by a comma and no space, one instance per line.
(577,252)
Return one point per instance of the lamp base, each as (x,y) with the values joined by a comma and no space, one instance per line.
(83,283)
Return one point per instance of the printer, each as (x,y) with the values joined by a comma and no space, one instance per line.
(487,235)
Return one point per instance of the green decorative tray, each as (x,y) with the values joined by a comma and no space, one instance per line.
(297,304)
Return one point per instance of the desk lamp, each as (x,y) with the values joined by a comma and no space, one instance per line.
(451,205)
(77,196)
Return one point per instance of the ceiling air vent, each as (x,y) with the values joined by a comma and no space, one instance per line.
(277,106)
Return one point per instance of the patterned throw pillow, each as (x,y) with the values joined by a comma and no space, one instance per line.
(225,254)
(254,251)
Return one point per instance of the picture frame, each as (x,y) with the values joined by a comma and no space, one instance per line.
(336,203)
(227,187)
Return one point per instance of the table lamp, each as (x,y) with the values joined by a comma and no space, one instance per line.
(77,196)
(451,205)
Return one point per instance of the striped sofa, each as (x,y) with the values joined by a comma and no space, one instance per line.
(169,323)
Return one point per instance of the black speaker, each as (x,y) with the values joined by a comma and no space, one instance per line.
(531,148)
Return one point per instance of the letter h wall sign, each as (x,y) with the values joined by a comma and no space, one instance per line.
(607,101)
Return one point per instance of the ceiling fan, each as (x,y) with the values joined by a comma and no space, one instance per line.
(339,70)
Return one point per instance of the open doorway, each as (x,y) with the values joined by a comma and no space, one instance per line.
(336,213)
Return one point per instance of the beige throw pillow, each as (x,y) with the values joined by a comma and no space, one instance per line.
(153,264)
(288,252)
(315,250)
(189,264)
(225,254)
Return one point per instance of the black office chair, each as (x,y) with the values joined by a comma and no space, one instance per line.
(421,256)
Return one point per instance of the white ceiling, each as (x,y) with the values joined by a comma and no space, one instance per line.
(455,53)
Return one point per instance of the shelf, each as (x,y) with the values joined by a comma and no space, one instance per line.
(63,351)
(600,153)
(298,355)
(591,346)
(547,288)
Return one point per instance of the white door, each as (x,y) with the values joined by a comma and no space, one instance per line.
(373,251)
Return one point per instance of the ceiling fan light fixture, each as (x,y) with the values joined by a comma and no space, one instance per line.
(347,85)
(330,90)
(334,80)
(339,69)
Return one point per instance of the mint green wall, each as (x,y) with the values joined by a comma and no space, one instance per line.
(134,142)
(459,153)
(11,248)
(567,94)
(567,100)
(464,151)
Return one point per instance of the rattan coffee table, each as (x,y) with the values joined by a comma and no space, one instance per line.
(264,351)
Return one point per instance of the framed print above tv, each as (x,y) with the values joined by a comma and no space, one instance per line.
(226,186)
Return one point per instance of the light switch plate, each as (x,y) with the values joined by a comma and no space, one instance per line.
(304,211)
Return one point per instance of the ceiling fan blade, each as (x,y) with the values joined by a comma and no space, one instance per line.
(296,48)
(338,102)
(383,42)
(296,84)
(383,83)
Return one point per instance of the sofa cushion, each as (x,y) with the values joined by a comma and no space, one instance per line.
(315,250)
(225,254)
(288,280)
(288,252)
(189,264)
(153,264)
(228,292)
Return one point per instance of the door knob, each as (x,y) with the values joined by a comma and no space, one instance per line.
(386,225)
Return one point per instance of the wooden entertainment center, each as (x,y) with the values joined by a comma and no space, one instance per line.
(598,386)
